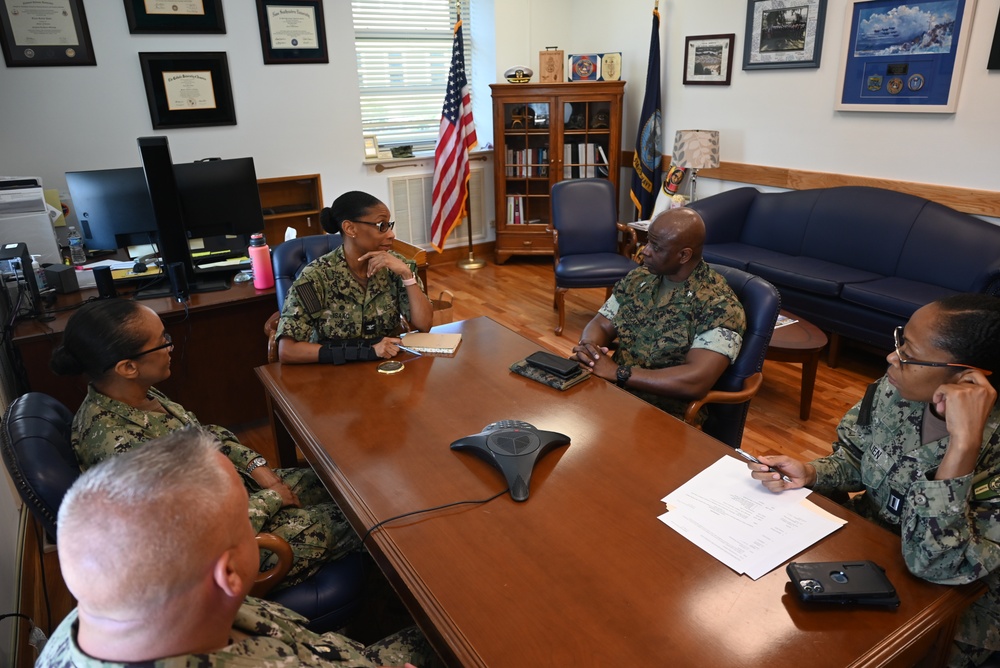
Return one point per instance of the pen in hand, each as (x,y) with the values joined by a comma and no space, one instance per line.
(409,350)
(746,455)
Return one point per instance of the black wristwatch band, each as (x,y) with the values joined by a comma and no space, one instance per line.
(622,375)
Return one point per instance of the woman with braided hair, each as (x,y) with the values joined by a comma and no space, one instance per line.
(923,449)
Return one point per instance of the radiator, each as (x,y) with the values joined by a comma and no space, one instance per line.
(410,201)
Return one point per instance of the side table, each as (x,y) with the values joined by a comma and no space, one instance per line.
(799,343)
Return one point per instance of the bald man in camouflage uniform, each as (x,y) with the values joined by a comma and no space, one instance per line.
(950,528)
(135,608)
(677,322)
(318,532)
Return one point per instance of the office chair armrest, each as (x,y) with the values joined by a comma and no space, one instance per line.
(270,578)
(270,328)
(555,247)
(629,240)
(750,387)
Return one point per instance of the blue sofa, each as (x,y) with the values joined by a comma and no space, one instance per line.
(855,261)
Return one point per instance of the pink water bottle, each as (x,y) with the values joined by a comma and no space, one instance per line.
(260,261)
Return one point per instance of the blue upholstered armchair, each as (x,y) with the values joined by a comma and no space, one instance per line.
(585,235)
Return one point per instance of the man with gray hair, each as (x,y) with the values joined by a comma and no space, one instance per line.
(156,579)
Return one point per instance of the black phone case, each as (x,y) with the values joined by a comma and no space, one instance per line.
(560,366)
(858,582)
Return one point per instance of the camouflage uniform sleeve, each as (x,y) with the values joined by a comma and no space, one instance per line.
(841,471)
(58,651)
(264,505)
(239,454)
(295,322)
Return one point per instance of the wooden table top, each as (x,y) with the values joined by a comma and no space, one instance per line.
(801,335)
(583,572)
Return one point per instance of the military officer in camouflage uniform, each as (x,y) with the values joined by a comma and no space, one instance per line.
(191,609)
(677,322)
(924,447)
(123,348)
(346,305)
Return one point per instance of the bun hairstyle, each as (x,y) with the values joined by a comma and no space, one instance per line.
(969,330)
(349,206)
(97,337)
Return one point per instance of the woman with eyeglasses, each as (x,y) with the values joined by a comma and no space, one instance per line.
(123,349)
(346,305)
(923,448)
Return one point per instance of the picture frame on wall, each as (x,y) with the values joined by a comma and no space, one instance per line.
(904,55)
(188,90)
(292,31)
(783,34)
(708,60)
(994,61)
(52,34)
(175,16)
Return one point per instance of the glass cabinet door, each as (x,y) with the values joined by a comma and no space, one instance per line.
(586,139)
(526,162)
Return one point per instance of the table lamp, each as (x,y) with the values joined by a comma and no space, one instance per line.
(694,150)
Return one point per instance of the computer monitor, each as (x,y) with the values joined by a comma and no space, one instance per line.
(113,208)
(219,197)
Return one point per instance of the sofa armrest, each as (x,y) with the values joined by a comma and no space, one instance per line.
(724,214)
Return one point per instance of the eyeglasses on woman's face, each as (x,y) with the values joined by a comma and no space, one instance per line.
(168,343)
(382,226)
(899,340)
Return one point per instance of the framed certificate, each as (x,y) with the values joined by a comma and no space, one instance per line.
(175,16)
(50,33)
(292,31)
(188,90)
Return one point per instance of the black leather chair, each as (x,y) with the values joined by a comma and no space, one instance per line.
(288,259)
(36,448)
(585,235)
(730,397)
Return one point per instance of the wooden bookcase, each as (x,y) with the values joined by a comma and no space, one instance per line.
(544,133)
(290,201)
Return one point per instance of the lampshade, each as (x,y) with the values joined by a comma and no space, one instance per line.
(696,149)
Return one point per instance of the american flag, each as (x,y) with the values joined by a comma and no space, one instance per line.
(451,156)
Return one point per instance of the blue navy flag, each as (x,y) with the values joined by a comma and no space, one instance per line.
(647,174)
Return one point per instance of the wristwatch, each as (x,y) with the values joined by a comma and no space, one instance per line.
(622,375)
(255,463)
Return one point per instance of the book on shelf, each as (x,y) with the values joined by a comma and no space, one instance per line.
(588,160)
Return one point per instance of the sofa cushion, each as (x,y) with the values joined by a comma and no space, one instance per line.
(859,227)
(776,221)
(724,214)
(738,255)
(809,274)
(897,296)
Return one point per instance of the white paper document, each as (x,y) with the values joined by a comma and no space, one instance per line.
(735,519)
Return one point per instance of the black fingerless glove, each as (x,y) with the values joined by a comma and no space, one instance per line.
(348,350)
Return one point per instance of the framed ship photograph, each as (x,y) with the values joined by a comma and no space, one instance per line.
(904,56)
(783,33)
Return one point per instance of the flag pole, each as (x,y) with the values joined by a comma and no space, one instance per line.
(471,262)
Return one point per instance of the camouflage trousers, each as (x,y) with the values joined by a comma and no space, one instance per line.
(317,532)
(406,646)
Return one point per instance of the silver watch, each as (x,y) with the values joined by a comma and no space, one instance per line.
(256,463)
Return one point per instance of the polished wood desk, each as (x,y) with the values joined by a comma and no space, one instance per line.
(582,573)
(218,340)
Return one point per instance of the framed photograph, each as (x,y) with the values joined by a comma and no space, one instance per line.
(175,16)
(188,90)
(292,31)
(904,56)
(783,33)
(708,60)
(994,61)
(53,33)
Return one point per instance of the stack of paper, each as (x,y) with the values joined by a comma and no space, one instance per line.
(735,519)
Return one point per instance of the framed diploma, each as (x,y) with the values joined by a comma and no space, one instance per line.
(292,31)
(188,90)
(49,33)
(175,16)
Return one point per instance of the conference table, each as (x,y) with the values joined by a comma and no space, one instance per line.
(582,573)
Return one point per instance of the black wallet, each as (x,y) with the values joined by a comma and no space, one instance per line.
(560,366)
(858,582)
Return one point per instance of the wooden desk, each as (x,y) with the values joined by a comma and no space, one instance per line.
(218,341)
(582,573)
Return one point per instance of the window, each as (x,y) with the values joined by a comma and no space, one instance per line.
(404,54)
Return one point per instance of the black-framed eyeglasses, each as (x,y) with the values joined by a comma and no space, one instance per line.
(169,344)
(382,227)
(899,340)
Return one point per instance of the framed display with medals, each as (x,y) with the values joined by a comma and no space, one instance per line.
(904,56)
(175,16)
(708,60)
(782,34)
(188,90)
(37,34)
(292,31)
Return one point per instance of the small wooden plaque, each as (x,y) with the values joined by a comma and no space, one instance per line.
(550,66)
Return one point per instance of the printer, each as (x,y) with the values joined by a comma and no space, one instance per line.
(24,218)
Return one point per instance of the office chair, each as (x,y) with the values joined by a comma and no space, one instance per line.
(731,394)
(585,238)
(288,259)
(36,448)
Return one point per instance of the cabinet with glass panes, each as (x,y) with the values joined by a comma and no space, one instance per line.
(543,134)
